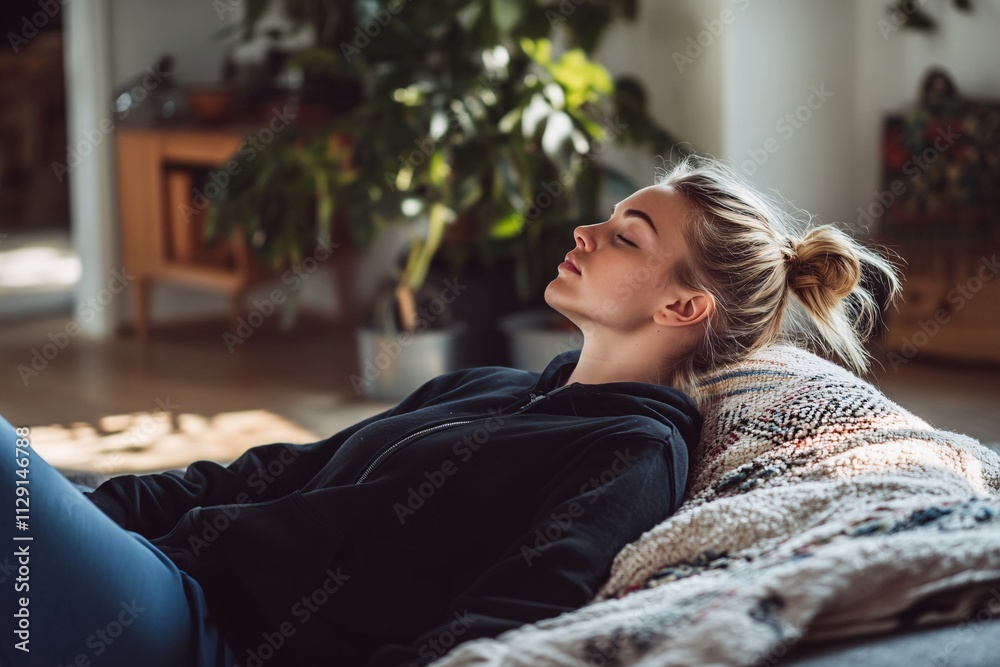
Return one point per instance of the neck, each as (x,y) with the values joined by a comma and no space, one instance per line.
(604,360)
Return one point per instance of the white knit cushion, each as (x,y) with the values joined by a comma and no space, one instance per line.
(782,415)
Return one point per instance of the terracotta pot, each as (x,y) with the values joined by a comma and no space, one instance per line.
(210,102)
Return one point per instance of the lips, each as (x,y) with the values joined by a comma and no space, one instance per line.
(570,265)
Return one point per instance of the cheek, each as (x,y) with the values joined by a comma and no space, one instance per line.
(636,280)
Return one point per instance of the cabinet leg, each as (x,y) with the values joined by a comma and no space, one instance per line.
(235,309)
(141,302)
(341,274)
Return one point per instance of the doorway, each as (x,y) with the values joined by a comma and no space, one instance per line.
(39,267)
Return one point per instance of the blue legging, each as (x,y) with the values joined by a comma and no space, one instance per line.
(89,592)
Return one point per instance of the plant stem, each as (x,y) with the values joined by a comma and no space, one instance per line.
(421,253)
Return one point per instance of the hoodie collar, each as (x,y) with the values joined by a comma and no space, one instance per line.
(688,421)
(561,367)
(557,371)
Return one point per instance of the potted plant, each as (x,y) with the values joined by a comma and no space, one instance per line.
(468,117)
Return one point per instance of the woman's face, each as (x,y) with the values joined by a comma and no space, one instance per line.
(616,274)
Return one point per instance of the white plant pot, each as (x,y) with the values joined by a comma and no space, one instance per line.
(393,366)
(534,340)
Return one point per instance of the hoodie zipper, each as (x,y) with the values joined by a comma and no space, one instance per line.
(533,399)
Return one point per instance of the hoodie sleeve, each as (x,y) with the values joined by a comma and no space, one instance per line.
(152,504)
(602,503)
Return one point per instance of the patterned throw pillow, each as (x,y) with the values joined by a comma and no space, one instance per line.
(784,414)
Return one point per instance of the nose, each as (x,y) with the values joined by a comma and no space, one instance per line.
(584,239)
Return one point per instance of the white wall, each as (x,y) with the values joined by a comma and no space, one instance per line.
(759,62)
(143,31)
(724,74)
(686,98)
(789,116)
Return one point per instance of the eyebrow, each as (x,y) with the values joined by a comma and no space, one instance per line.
(636,213)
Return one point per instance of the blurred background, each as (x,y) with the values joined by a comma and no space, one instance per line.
(249,221)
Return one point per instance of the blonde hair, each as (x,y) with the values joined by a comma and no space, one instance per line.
(752,255)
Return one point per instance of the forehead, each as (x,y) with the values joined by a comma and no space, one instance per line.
(664,204)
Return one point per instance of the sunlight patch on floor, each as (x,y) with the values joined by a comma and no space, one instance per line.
(155,441)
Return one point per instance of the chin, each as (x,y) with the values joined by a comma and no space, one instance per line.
(553,302)
(549,294)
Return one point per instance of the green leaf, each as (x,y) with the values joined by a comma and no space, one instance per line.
(320,60)
(508,227)
(438,170)
(539,50)
(290,309)
(252,14)
(510,120)
(506,14)
(324,208)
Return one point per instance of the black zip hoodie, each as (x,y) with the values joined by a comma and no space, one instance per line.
(487,499)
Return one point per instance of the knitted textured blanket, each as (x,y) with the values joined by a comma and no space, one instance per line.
(817,509)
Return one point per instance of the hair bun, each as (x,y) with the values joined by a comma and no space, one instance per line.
(822,267)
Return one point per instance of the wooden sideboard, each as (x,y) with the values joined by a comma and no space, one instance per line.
(948,308)
(162,214)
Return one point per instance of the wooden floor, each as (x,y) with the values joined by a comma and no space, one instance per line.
(107,407)
(956,397)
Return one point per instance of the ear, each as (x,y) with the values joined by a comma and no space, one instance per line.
(685,308)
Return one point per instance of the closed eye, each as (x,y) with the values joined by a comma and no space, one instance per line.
(625,240)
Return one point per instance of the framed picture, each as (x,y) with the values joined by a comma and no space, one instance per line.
(940,186)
